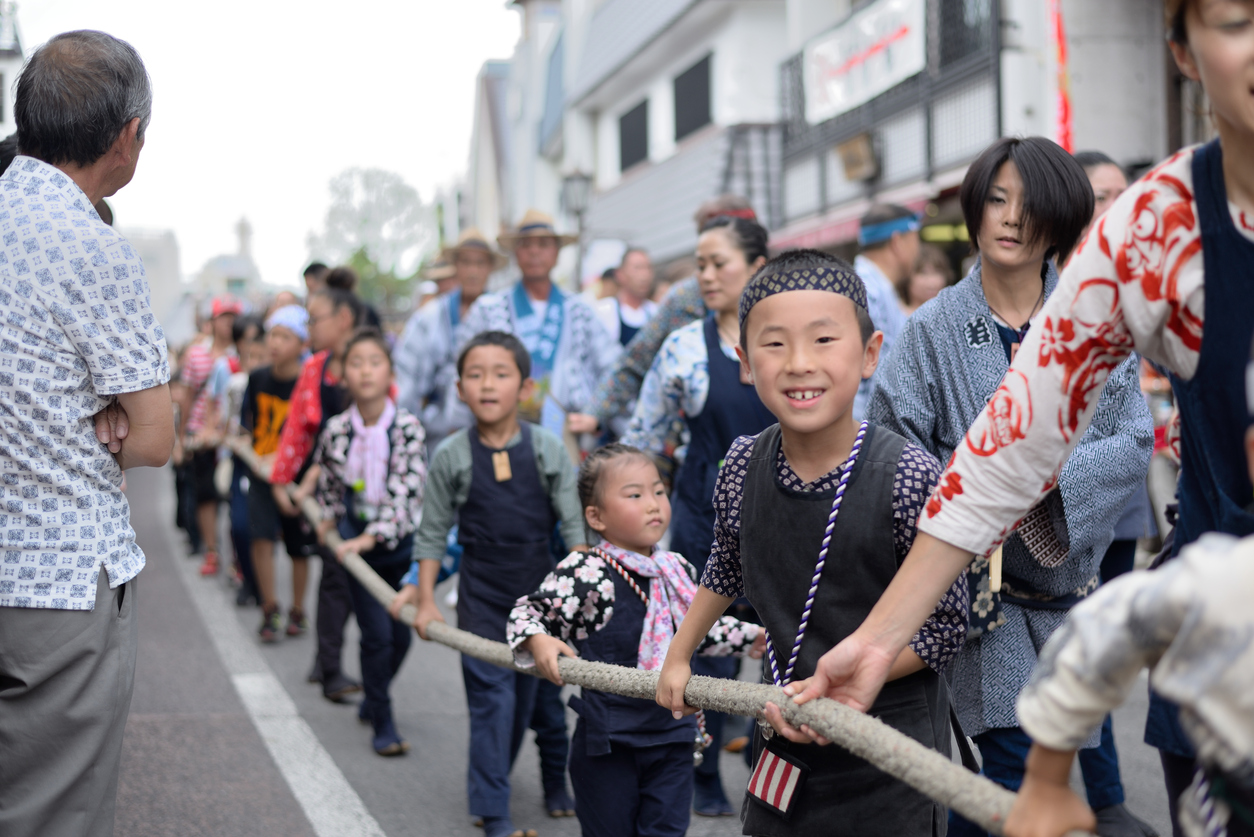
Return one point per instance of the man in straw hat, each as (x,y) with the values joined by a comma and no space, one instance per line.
(570,348)
(425,356)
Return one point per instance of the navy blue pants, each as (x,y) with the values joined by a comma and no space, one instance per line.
(1005,752)
(500,703)
(632,791)
(548,719)
(384,643)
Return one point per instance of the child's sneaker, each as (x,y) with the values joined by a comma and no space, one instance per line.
(210,565)
(271,624)
(297,624)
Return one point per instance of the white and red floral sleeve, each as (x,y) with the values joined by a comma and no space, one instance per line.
(1135,283)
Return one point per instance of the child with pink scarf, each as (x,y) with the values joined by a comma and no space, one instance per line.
(620,602)
(370,487)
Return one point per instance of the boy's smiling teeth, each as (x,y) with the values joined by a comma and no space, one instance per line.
(803,394)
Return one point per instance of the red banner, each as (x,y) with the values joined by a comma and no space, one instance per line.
(1063,104)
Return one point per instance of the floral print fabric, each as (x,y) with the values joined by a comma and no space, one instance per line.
(577,599)
(399,512)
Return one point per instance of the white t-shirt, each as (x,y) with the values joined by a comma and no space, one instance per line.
(76,329)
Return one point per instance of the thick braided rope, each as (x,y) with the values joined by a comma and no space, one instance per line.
(818,567)
(927,771)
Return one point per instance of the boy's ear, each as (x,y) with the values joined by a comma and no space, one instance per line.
(746,372)
(461,396)
(871,354)
(592,516)
(527,389)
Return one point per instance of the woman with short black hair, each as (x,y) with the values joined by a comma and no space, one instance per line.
(1024,201)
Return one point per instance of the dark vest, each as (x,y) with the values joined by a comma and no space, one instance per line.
(612,718)
(731,409)
(504,529)
(781,532)
(1215,491)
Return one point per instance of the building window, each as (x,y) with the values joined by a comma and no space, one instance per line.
(692,98)
(633,136)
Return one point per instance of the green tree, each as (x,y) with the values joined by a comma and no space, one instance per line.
(378,224)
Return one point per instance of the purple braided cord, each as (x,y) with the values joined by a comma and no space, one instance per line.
(818,568)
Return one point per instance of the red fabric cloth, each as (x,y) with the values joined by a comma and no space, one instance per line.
(304,415)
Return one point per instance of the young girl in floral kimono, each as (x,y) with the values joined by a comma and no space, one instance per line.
(620,602)
(370,485)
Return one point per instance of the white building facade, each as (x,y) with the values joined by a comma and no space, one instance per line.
(812,109)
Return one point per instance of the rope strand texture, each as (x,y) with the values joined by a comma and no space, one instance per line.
(982,802)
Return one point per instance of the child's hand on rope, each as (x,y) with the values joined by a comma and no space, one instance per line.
(1045,805)
(670,687)
(545,650)
(360,544)
(799,735)
(428,612)
(409,594)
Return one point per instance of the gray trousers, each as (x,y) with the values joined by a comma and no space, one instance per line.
(65,690)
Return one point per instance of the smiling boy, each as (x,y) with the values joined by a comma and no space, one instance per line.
(813,516)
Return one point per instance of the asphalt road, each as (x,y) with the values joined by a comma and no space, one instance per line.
(226,737)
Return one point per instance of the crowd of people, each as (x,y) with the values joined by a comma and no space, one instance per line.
(916,496)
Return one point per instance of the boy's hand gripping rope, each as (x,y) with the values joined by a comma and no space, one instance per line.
(927,771)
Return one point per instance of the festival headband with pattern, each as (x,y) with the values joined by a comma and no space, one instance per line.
(837,280)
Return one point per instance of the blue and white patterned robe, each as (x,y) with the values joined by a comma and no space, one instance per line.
(425,358)
(585,350)
(946,364)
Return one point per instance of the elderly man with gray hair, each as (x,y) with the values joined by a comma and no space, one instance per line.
(80,351)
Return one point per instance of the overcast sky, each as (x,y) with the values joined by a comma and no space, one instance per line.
(258,103)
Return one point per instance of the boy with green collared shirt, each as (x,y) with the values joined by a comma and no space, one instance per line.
(508,484)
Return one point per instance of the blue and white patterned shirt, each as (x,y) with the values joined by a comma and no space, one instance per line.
(676,387)
(77,330)
(886,315)
(585,351)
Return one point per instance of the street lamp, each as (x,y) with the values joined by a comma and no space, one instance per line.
(576,189)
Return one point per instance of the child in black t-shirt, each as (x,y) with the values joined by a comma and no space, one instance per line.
(265,408)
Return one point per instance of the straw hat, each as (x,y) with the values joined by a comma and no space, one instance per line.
(472,239)
(439,269)
(534,224)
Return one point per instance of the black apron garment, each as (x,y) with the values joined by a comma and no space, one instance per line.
(781,533)
(504,529)
(731,409)
(610,718)
(1215,491)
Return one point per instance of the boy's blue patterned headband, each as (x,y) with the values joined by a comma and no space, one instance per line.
(835,279)
(875,233)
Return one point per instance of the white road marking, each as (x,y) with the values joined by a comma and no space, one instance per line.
(334,809)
